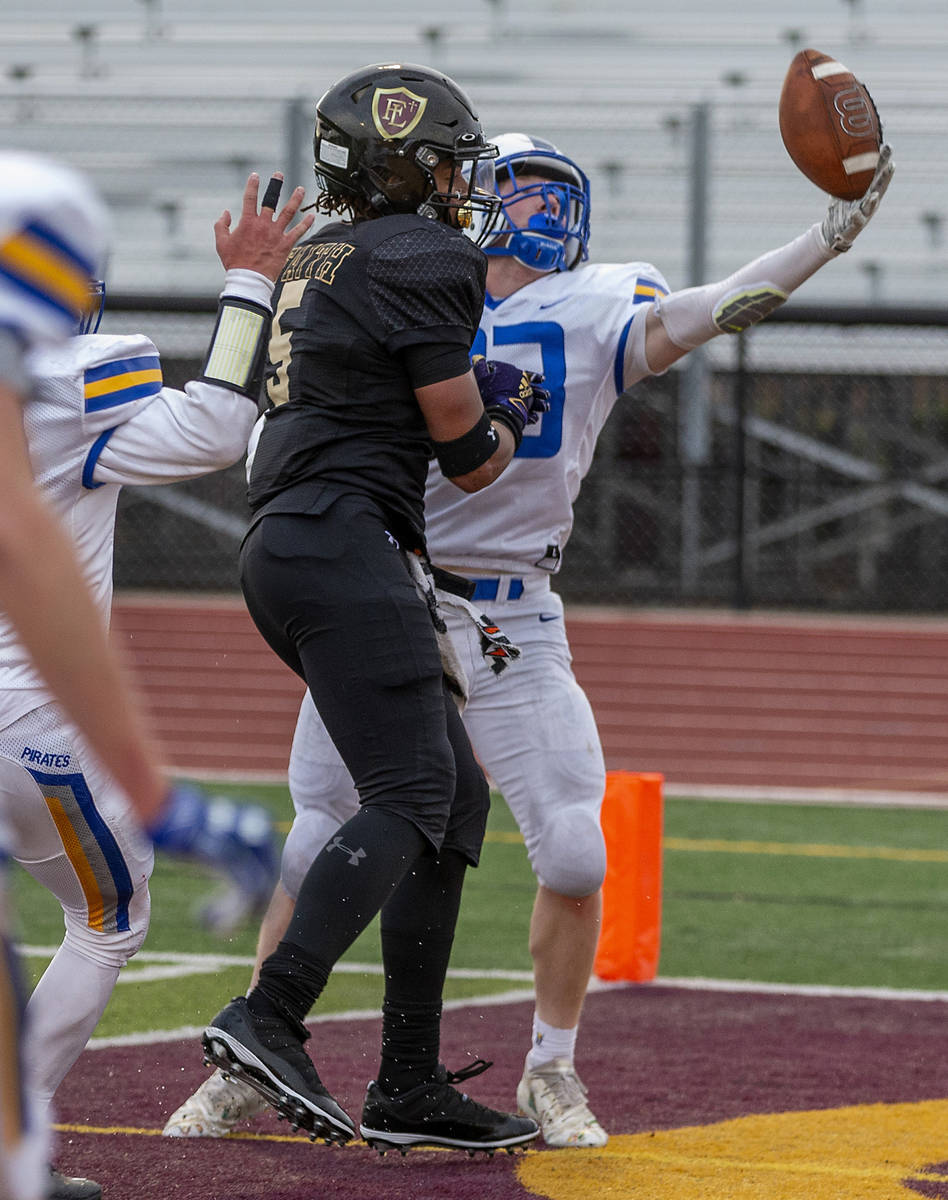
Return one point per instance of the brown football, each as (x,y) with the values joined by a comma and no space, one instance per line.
(829,125)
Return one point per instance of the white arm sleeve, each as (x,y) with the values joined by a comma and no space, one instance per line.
(694,316)
(184,434)
(180,435)
(248,285)
(635,361)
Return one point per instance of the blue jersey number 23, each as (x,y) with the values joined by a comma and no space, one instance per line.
(549,337)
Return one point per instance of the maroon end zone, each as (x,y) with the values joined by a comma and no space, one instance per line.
(653,1057)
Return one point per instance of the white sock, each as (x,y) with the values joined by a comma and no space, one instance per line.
(62,1012)
(549,1043)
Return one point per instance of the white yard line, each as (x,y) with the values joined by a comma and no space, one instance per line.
(178,963)
(169,964)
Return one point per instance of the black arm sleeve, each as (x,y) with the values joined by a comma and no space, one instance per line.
(432,362)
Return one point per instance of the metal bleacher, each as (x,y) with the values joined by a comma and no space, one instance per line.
(169,105)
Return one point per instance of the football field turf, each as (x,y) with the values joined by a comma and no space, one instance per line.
(778,893)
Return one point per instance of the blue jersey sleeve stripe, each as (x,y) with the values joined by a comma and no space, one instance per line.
(619,364)
(123,396)
(95,451)
(121,366)
(122,381)
(647,289)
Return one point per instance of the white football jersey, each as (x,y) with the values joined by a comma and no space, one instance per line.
(54,235)
(100,417)
(584,331)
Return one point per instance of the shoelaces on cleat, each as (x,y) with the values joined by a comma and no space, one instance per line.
(565,1089)
(449,1099)
(477,1067)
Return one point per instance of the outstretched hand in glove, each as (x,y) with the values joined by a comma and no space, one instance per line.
(236,840)
(510,394)
(846,219)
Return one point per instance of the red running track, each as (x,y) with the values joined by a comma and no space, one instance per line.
(704,698)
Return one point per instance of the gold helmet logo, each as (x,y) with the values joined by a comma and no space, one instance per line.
(396,111)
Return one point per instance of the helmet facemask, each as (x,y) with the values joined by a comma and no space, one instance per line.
(556,237)
(470,201)
(91,319)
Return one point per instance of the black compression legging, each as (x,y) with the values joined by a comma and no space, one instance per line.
(332,596)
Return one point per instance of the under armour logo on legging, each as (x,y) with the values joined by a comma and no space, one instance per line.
(354,855)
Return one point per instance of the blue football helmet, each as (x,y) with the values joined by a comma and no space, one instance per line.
(557,238)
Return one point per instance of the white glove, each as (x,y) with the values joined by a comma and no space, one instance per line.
(846,219)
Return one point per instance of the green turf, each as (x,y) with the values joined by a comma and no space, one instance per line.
(497,903)
(798,919)
(732,914)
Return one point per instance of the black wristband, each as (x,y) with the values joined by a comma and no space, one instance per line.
(469,451)
(497,412)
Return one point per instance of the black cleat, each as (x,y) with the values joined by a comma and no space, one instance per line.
(71,1187)
(267,1054)
(436,1114)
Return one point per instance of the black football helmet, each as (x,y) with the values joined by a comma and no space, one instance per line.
(383,130)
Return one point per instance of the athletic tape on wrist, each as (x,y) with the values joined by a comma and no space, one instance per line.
(238,346)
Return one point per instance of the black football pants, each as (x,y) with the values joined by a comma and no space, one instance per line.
(332,595)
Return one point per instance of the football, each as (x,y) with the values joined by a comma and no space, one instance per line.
(829,125)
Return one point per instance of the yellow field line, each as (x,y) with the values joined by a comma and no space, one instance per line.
(238,1136)
(723,846)
(134,1130)
(803,849)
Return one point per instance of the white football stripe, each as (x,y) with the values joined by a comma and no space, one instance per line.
(821,70)
(861,162)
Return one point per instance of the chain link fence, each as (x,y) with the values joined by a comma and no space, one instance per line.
(815,480)
(802,466)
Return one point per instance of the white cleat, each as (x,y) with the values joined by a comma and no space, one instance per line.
(554,1096)
(215,1109)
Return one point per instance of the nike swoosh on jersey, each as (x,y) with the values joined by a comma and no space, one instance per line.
(553,303)
(549,616)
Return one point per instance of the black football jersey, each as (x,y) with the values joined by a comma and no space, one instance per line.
(342,412)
